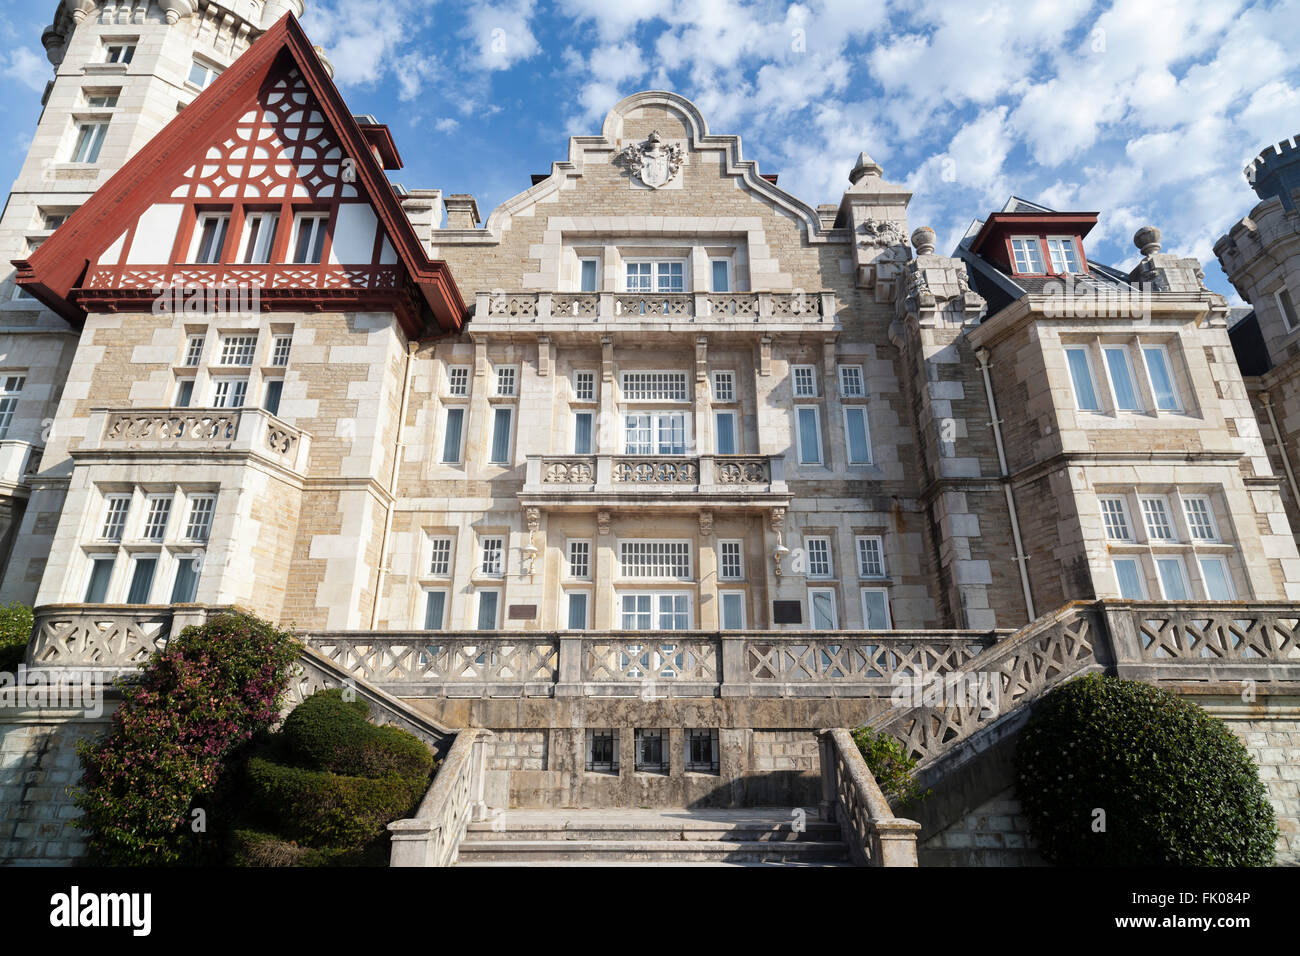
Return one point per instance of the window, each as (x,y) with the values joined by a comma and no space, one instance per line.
(1173,579)
(1286,307)
(116,508)
(142,580)
(280,346)
(1128,575)
(309,244)
(155,523)
(731,560)
(458,380)
(818,553)
(857,435)
(805,381)
(655,559)
(229,392)
(579,559)
(209,237)
(506,381)
(440,557)
(660,276)
(1114,515)
(724,433)
(1085,393)
(101,100)
(1064,256)
(602,751)
(647,611)
(582,433)
(733,610)
(52,220)
(654,387)
(651,754)
(1218,581)
(1028,255)
(201,74)
(584,385)
(199,526)
(259,236)
(119,53)
(808,426)
(193,350)
(238,349)
(10,387)
(274,388)
(452,432)
(724,386)
(1162,381)
(1121,378)
(821,601)
(852,385)
(90,137)
(435,610)
(871,557)
(101,572)
(492,557)
(1156,515)
(577,610)
(1200,519)
(184,393)
(590,269)
(185,587)
(720,272)
(875,609)
(503,417)
(701,750)
(488,606)
(655,433)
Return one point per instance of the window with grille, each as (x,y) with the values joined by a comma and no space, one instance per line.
(724,386)
(602,751)
(238,349)
(805,381)
(493,557)
(819,557)
(116,508)
(662,276)
(193,350)
(1156,516)
(199,526)
(655,559)
(871,557)
(851,381)
(1115,518)
(506,376)
(458,380)
(731,564)
(654,387)
(1028,254)
(1200,520)
(12,385)
(440,557)
(584,386)
(647,611)
(280,346)
(580,559)
(701,750)
(651,751)
(155,522)
(655,433)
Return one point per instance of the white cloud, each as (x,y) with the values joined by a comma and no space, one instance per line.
(501,33)
(27,68)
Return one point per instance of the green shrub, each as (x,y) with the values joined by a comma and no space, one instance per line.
(891,765)
(178,738)
(254,848)
(1175,785)
(326,732)
(15,630)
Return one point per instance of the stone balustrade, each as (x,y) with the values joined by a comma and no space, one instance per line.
(107,636)
(874,835)
(722,308)
(150,431)
(550,476)
(433,836)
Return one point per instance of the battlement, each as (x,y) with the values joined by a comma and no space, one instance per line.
(1275,172)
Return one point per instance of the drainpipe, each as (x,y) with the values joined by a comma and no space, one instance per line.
(398,451)
(983,356)
(1266,400)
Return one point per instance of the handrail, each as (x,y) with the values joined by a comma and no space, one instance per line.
(433,836)
(875,836)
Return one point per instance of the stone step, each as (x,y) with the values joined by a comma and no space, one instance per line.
(656,831)
(527,852)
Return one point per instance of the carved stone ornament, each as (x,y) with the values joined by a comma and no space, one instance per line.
(878,232)
(653,161)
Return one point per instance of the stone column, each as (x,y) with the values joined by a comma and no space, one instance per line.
(602,581)
(707,575)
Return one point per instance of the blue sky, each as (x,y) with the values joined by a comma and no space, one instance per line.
(1145,110)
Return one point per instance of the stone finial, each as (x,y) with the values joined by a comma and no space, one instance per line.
(81,9)
(329,67)
(1147,239)
(177,10)
(56,45)
(923,241)
(865,166)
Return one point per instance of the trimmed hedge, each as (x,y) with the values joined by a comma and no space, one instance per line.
(326,732)
(1175,785)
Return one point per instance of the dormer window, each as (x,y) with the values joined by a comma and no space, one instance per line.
(1065,258)
(1028,255)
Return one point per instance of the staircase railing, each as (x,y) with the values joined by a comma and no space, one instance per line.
(875,836)
(433,836)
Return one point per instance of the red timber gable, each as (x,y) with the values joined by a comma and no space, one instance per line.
(264,183)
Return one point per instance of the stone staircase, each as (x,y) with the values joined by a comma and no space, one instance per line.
(664,837)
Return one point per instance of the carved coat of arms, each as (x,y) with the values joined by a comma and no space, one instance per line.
(653,161)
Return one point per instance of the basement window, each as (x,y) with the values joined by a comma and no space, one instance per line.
(702,750)
(602,751)
(651,752)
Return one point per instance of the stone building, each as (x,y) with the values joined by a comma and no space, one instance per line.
(659,460)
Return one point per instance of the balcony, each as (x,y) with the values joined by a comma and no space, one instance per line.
(19,460)
(584,481)
(168,432)
(608,311)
